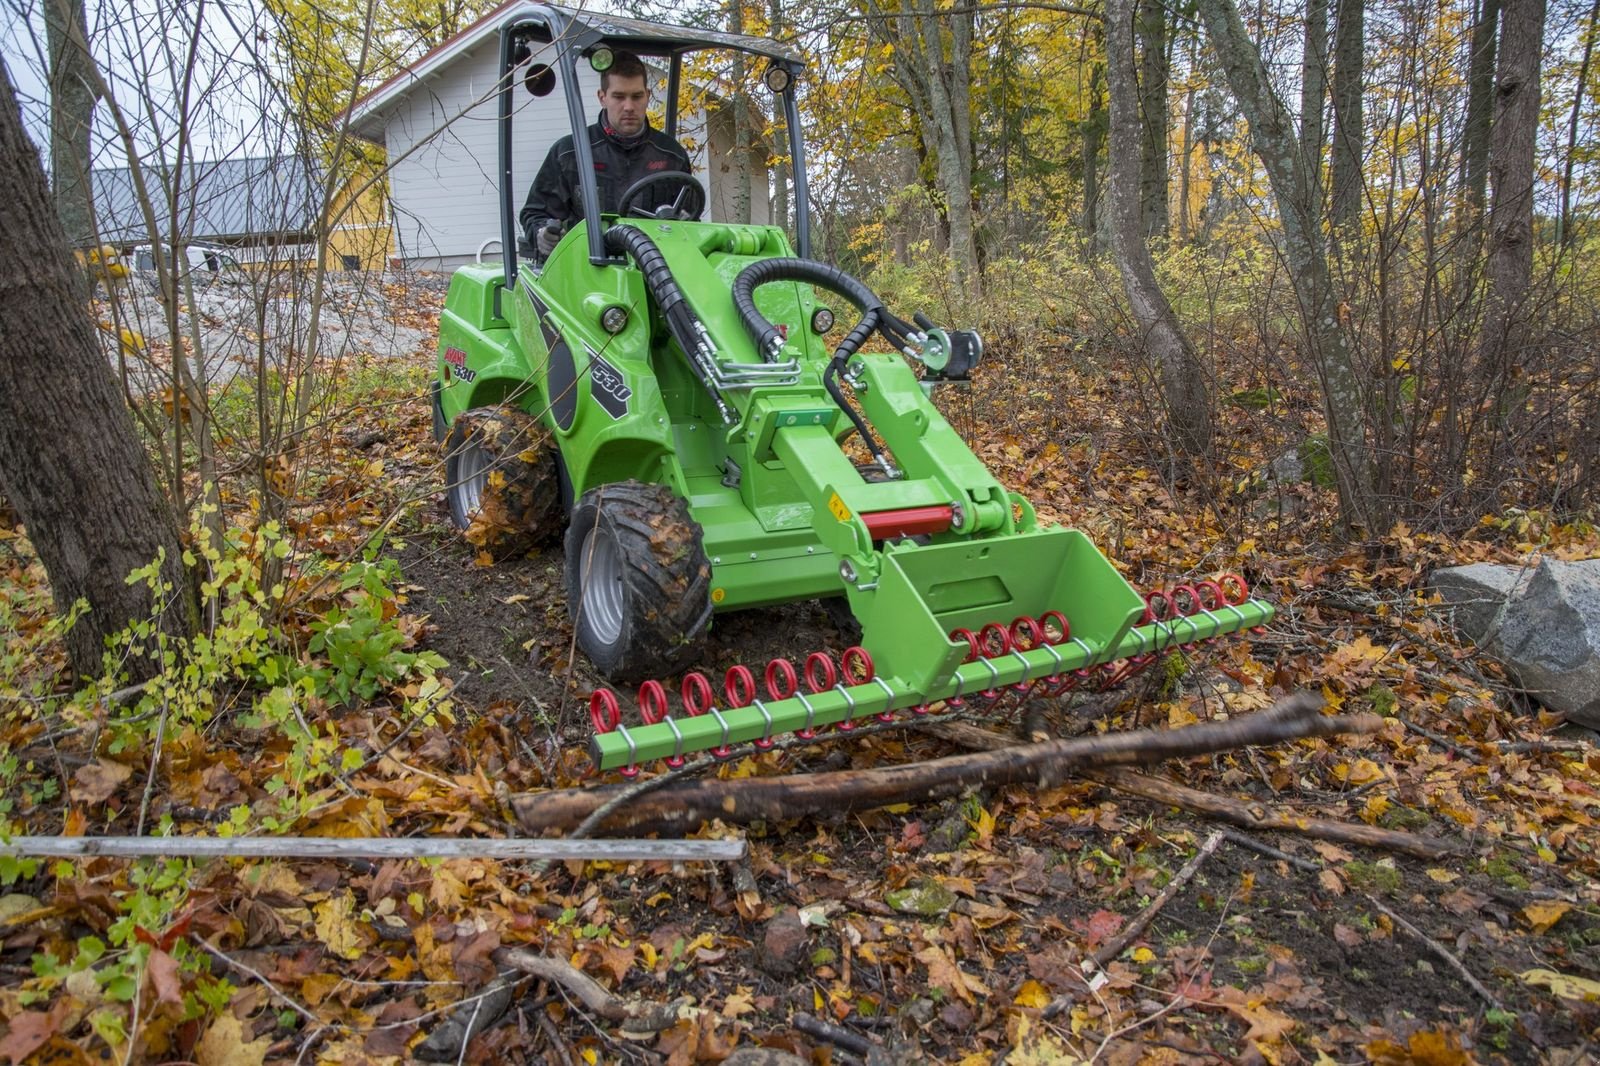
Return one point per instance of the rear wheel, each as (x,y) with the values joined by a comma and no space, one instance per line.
(502,482)
(638,582)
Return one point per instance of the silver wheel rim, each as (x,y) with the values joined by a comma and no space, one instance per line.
(472,474)
(600,577)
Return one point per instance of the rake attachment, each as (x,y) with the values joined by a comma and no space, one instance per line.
(998,664)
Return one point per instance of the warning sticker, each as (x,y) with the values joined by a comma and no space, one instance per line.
(840,511)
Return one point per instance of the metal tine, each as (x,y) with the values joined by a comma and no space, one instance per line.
(1089,653)
(849,722)
(721,721)
(677,746)
(887,714)
(994,672)
(633,750)
(766,716)
(811,714)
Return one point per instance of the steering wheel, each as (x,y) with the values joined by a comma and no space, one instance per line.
(689,204)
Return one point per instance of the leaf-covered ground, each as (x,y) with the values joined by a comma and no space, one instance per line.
(954,932)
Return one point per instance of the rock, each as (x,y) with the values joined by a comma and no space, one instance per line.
(784,944)
(929,899)
(1544,627)
(1288,468)
(1474,594)
(763,1056)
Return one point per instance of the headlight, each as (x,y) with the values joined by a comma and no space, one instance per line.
(821,321)
(776,77)
(614,319)
(602,58)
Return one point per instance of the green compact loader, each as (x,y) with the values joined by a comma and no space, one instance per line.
(661,389)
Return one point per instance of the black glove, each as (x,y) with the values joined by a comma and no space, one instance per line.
(548,236)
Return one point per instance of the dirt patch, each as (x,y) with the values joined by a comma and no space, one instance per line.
(507,635)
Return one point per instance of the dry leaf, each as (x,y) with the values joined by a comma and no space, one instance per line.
(336,927)
(224,1045)
(1564,985)
(98,781)
(1541,916)
(1032,994)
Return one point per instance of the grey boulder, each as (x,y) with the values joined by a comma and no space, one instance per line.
(1542,623)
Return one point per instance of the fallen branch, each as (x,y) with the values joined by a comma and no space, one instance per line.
(686,805)
(1224,809)
(634,1016)
(376,848)
(835,1034)
(1443,952)
(1261,816)
(1114,947)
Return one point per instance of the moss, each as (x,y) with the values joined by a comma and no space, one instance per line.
(1404,818)
(1375,876)
(1505,871)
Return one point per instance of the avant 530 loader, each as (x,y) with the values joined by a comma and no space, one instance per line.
(662,390)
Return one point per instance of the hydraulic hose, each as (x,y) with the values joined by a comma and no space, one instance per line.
(769,340)
(684,324)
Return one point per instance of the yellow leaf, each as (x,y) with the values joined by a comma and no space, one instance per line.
(1541,916)
(1444,877)
(336,927)
(590,1056)
(496,479)
(983,825)
(1032,994)
(1361,772)
(373,470)
(1374,809)
(1143,956)
(224,1045)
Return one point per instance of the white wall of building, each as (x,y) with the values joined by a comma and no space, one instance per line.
(443,149)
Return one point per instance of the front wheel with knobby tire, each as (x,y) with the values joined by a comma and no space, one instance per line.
(502,481)
(638,581)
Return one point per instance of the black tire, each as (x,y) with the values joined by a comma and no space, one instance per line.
(501,481)
(638,581)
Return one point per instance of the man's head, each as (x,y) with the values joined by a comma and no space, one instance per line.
(625,93)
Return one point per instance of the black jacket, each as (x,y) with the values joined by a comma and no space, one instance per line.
(617,165)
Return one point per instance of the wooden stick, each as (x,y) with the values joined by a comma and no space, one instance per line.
(834,1034)
(1245,840)
(1260,816)
(377,848)
(1114,947)
(1443,952)
(688,804)
(635,1016)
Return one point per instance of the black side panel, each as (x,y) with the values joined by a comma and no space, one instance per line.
(562,376)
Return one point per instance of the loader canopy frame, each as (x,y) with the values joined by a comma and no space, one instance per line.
(578,34)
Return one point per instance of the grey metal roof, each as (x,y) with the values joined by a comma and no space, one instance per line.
(651,37)
(224,200)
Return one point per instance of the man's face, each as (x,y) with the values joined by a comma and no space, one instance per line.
(625,101)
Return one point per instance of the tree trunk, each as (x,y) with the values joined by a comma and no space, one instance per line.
(743,142)
(1564,217)
(1183,383)
(1272,135)
(72,101)
(1155,70)
(779,147)
(70,460)
(1480,111)
(933,63)
(1313,94)
(1511,174)
(1093,132)
(1349,135)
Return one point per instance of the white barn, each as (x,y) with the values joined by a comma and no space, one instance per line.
(436,121)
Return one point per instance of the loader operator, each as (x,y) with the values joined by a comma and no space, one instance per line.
(625,149)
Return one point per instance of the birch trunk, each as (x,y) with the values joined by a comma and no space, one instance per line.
(1272,134)
(1183,384)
